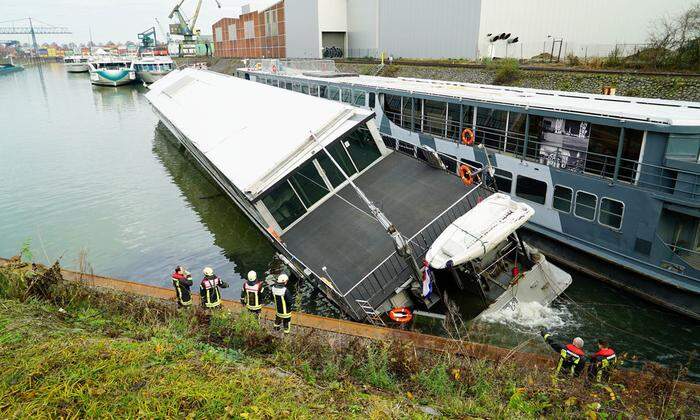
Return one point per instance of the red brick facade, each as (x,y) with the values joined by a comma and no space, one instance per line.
(261,44)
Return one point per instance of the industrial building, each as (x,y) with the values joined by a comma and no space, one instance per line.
(439,28)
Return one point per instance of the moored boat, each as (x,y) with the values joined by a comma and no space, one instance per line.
(111,71)
(151,68)
(76,63)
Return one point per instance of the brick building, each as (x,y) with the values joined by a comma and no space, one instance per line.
(254,34)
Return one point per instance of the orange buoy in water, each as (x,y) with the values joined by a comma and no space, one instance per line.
(401,315)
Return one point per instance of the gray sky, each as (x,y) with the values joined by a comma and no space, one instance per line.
(115,20)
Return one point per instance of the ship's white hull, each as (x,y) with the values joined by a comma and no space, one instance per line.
(77,67)
(151,76)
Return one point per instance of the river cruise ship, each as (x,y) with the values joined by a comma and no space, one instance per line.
(111,71)
(614,181)
(343,208)
(151,68)
(76,64)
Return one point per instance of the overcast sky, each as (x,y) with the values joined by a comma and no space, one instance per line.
(115,20)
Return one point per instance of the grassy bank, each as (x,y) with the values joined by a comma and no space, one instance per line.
(68,350)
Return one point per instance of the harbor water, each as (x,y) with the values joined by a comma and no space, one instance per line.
(89,175)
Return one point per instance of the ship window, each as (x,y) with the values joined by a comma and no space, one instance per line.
(307,182)
(631,149)
(333,93)
(491,126)
(467,117)
(516,132)
(534,136)
(313,90)
(283,204)
(288,85)
(362,148)
(453,117)
(323,91)
(611,212)
(407,113)
(504,180)
(358,97)
(340,155)
(563,197)
(371,100)
(531,189)
(305,89)
(392,108)
(346,95)
(434,114)
(296,87)
(585,205)
(602,150)
(417,114)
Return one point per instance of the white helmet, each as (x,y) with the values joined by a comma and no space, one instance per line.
(208,271)
(252,275)
(282,279)
(578,342)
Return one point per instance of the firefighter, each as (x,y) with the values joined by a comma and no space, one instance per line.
(209,289)
(182,281)
(602,362)
(283,303)
(250,293)
(572,358)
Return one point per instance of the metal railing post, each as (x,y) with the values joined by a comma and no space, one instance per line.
(527,134)
(620,145)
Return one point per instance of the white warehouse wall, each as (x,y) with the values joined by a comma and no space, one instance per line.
(302,28)
(590,27)
(332,15)
(362,28)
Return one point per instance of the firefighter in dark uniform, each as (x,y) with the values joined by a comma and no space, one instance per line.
(182,281)
(209,289)
(572,358)
(250,293)
(283,303)
(602,362)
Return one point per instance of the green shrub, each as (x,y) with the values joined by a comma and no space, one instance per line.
(507,71)
(375,371)
(436,381)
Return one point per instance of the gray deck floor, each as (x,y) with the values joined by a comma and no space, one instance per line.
(348,242)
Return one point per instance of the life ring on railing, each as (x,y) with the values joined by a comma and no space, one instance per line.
(468,136)
(258,66)
(401,315)
(465,173)
(274,68)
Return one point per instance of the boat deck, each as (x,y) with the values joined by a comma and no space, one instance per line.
(349,242)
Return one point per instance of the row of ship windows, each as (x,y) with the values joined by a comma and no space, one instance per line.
(351,96)
(584,204)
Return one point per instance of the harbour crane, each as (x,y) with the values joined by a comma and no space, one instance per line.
(34,31)
(184,28)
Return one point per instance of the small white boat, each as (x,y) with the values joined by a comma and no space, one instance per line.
(76,63)
(483,253)
(111,71)
(152,68)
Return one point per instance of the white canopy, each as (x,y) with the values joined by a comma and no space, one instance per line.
(253,133)
(479,231)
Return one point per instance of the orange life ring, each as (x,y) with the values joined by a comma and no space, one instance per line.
(274,68)
(465,173)
(468,136)
(401,315)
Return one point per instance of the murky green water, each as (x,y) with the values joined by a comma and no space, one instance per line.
(90,168)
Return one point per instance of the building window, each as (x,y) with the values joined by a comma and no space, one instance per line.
(563,197)
(611,212)
(585,205)
(218,34)
(248,29)
(504,180)
(346,95)
(434,116)
(232,32)
(531,189)
(333,93)
(271,28)
(358,98)
(283,204)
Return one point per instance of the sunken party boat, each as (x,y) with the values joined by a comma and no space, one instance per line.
(344,209)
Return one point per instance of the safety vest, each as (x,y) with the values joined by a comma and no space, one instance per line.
(210,291)
(569,359)
(282,302)
(252,295)
(606,360)
(182,291)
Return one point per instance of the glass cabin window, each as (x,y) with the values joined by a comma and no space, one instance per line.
(611,213)
(313,90)
(305,89)
(392,108)
(371,99)
(340,155)
(434,114)
(491,127)
(585,205)
(288,85)
(516,132)
(333,93)
(631,149)
(534,136)
(563,197)
(504,180)
(683,147)
(346,95)
(362,148)
(296,87)
(358,97)
(602,150)
(453,117)
(323,91)
(531,189)
(417,114)
(283,204)
(307,182)
(467,117)
(407,113)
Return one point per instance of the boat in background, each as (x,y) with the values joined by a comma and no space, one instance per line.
(111,71)
(6,68)
(76,63)
(151,68)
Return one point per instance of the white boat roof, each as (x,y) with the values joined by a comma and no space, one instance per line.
(479,231)
(154,59)
(658,111)
(253,133)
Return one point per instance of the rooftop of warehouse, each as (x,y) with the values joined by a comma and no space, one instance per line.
(254,134)
(660,111)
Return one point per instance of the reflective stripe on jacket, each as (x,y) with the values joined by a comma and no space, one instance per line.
(283,301)
(251,292)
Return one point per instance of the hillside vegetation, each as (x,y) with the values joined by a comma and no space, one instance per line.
(68,350)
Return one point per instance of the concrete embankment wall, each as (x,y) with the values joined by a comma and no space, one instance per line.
(678,87)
